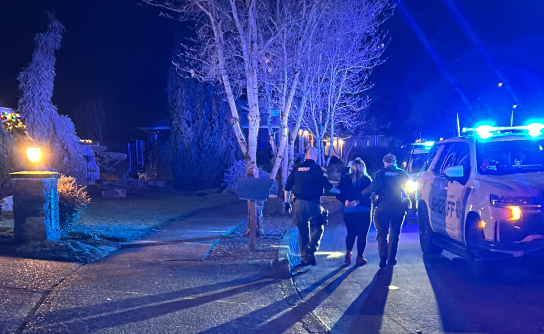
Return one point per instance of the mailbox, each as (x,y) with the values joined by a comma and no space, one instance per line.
(254,189)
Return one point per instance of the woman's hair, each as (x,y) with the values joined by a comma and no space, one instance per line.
(358,170)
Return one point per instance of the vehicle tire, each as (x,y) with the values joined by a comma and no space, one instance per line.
(426,234)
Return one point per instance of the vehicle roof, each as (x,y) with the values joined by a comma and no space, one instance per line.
(494,138)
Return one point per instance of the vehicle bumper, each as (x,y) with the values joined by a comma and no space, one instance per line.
(519,238)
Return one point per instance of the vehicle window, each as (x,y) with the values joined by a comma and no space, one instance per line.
(510,157)
(454,154)
(437,169)
(416,162)
(430,157)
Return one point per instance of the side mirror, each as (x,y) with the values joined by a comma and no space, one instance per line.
(454,172)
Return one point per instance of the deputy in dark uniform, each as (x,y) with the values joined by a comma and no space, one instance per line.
(390,208)
(307,181)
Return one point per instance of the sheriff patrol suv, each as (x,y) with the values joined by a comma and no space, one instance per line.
(482,194)
(417,155)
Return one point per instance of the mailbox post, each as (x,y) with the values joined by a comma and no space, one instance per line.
(253,189)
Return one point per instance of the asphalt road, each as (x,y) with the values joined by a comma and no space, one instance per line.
(442,294)
(158,285)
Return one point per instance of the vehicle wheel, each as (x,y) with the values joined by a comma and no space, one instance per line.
(426,234)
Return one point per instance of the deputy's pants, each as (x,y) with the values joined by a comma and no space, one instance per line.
(309,222)
(388,219)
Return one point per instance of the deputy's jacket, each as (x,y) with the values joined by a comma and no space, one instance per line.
(307,181)
(388,184)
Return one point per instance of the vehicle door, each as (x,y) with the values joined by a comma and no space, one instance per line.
(439,191)
(452,191)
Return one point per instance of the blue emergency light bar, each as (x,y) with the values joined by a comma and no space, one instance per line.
(487,131)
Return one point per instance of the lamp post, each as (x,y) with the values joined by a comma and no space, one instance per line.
(35,203)
(512,115)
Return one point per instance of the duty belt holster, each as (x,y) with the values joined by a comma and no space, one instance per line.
(324,216)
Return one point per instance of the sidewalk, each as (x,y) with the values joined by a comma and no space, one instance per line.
(158,285)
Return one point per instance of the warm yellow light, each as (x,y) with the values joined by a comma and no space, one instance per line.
(306,132)
(341,141)
(516,212)
(482,224)
(33,154)
(299,132)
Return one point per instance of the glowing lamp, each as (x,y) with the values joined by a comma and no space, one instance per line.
(33,154)
(306,132)
(482,224)
(516,212)
(535,129)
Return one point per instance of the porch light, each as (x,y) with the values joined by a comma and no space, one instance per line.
(33,154)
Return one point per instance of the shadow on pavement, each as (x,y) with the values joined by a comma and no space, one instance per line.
(280,324)
(112,314)
(365,314)
(505,296)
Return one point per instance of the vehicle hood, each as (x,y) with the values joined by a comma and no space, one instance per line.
(523,184)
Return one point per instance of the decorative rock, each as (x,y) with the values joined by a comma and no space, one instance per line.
(114,193)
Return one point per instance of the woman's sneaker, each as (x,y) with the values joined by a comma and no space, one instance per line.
(347,259)
(361,261)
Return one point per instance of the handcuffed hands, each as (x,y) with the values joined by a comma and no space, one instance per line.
(287,207)
(350,205)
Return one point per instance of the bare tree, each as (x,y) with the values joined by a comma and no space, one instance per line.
(260,49)
(343,63)
(251,47)
(90,118)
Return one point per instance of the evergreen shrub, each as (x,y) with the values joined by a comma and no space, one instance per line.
(73,201)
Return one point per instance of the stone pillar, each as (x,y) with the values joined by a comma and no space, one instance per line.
(35,206)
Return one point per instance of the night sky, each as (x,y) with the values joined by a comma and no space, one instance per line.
(120,51)
(116,50)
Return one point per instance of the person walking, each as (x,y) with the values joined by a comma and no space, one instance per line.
(390,208)
(356,209)
(307,181)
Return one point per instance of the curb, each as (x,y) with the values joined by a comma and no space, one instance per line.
(288,254)
(224,235)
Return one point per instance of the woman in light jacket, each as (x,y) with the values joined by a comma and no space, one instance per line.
(356,209)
